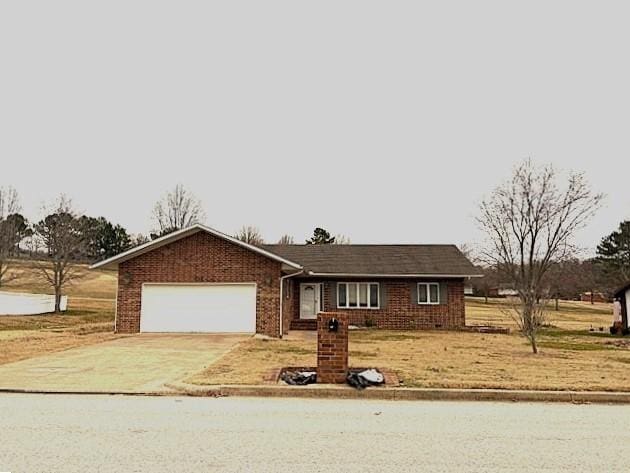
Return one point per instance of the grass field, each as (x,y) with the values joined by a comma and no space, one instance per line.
(89,319)
(573,315)
(96,284)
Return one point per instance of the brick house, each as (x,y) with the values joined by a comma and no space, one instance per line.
(201,280)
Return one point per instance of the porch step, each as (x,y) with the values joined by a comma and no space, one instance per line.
(301,324)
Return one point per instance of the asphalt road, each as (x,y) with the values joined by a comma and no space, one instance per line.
(50,433)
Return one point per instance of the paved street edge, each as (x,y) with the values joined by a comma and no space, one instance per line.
(345,392)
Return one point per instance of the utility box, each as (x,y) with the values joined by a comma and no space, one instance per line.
(332,347)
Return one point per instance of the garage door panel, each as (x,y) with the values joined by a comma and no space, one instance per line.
(198,308)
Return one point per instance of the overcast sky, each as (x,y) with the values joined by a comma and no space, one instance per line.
(383,121)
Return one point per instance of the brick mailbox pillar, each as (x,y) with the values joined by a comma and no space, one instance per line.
(332,348)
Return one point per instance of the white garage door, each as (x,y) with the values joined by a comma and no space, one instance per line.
(198,308)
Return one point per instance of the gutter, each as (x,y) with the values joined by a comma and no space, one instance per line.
(373,275)
(282,278)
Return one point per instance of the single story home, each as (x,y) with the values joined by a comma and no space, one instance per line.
(201,280)
(503,290)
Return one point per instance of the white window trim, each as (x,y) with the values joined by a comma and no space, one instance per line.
(320,301)
(428,286)
(369,289)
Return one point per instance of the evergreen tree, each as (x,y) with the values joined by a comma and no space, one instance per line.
(320,237)
(613,253)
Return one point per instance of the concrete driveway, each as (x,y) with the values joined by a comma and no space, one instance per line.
(140,363)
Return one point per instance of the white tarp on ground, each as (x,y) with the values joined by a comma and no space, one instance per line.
(15,303)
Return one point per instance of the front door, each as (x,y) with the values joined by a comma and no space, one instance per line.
(310,297)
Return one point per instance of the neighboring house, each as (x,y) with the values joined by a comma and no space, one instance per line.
(201,280)
(503,290)
(593,297)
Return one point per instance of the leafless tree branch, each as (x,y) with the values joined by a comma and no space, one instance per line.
(250,234)
(529,223)
(61,236)
(176,210)
(9,206)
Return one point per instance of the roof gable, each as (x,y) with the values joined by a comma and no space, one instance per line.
(183,233)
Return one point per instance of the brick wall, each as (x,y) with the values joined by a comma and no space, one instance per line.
(399,312)
(199,258)
(332,349)
(290,302)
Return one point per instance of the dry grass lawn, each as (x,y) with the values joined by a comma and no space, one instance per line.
(571,356)
(573,315)
(89,319)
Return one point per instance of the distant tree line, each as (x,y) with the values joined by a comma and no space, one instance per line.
(63,238)
(568,278)
(252,235)
(565,280)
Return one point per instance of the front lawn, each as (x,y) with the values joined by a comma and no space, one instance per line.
(572,357)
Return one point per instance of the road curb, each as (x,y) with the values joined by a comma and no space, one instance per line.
(404,394)
(346,392)
(88,393)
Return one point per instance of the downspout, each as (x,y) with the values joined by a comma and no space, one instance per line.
(116,304)
(282,278)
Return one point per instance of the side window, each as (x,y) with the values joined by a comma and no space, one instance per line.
(428,293)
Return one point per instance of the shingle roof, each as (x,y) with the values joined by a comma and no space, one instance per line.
(395,260)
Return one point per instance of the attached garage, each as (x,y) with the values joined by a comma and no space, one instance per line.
(198,279)
(228,308)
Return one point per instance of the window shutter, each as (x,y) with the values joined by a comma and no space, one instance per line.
(414,293)
(443,292)
(382,293)
(331,288)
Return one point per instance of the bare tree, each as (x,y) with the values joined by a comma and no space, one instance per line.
(341,240)
(489,280)
(139,239)
(485,284)
(530,223)
(568,279)
(9,207)
(33,245)
(250,234)
(468,250)
(286,240)
(61,236)
(176,210)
